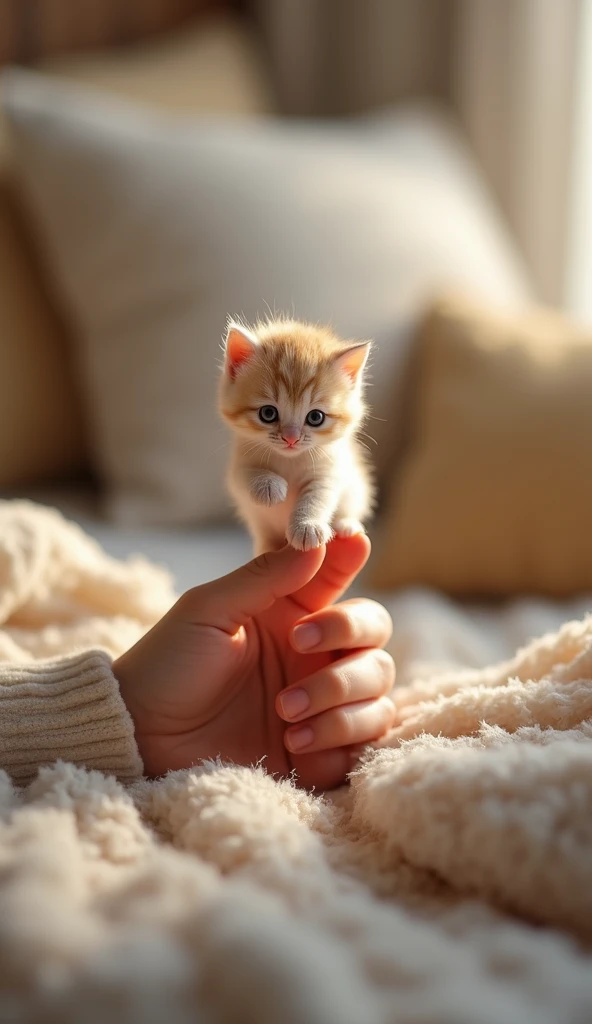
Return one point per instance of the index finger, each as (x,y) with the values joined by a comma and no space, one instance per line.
(344,558)
(229,602)
(350,625)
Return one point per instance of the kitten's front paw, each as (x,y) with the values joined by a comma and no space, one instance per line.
(347,527)
(307,535)
(269,489)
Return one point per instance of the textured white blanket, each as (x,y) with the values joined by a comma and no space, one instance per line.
(450,883)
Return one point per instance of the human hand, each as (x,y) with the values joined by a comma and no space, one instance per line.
(226,669)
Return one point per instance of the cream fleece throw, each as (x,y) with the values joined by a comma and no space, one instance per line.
(450,883)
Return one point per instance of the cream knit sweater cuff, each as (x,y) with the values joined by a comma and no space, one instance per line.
(67,709)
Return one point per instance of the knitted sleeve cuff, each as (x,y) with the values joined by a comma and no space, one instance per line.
(67,709)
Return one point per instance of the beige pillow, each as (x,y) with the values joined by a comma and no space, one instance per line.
(496,494)
(213,64)
(154,232)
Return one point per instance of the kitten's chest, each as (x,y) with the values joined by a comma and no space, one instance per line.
(303,474)
(296,474)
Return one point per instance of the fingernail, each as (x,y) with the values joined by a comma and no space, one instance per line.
(294,702)
(299,738)
(307,636)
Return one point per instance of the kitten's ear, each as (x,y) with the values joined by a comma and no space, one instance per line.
(352,359)
(240,345)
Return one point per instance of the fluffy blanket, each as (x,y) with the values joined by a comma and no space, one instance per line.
(450,882)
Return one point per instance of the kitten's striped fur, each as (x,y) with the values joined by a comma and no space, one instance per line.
(290,479)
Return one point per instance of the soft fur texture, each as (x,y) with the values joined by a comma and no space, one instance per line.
(293,477)
(450,883)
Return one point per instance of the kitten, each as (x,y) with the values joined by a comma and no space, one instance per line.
(292,395)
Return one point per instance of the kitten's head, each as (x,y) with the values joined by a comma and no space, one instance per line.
(291,386)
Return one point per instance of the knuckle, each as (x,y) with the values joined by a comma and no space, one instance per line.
(345,627)
(259,566)
(369,623)
(341,686)
(187,602)
(382,618)
(345,726)
(387,621)
(387,711)
(386,669)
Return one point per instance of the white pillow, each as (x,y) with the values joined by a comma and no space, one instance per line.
(155,230)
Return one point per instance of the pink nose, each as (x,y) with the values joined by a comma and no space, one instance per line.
(291,439)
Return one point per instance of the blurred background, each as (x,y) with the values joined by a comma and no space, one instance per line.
(516,73)
(436,144)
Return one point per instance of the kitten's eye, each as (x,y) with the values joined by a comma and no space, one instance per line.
(315,418)
(268,414)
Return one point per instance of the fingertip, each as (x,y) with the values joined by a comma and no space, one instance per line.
(289,554)
(345,557)
(350,553)
(306,636)
(292,703)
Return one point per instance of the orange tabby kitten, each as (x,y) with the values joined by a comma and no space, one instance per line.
(292,394)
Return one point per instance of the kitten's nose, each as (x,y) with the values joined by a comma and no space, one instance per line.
(291,437)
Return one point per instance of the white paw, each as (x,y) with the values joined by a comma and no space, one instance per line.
(269,489)
(307,535)
(347,527)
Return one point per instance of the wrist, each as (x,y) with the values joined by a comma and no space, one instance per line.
(133,677)
(70,709)
(124,676)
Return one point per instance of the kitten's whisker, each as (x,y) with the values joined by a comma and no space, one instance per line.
(216,450)
(255,448)
(326,453)
(369,436)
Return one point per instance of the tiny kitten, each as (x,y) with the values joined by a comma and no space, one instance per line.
(292,395)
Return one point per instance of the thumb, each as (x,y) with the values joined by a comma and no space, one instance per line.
(229,602)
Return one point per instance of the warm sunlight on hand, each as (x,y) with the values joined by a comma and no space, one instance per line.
(260,664)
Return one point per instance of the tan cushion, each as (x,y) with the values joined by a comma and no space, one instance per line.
(41,433)
(496,494)
(31,29)
(195,220)
(212,65)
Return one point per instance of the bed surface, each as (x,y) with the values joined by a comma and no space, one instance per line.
(450,881)
(432,633)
